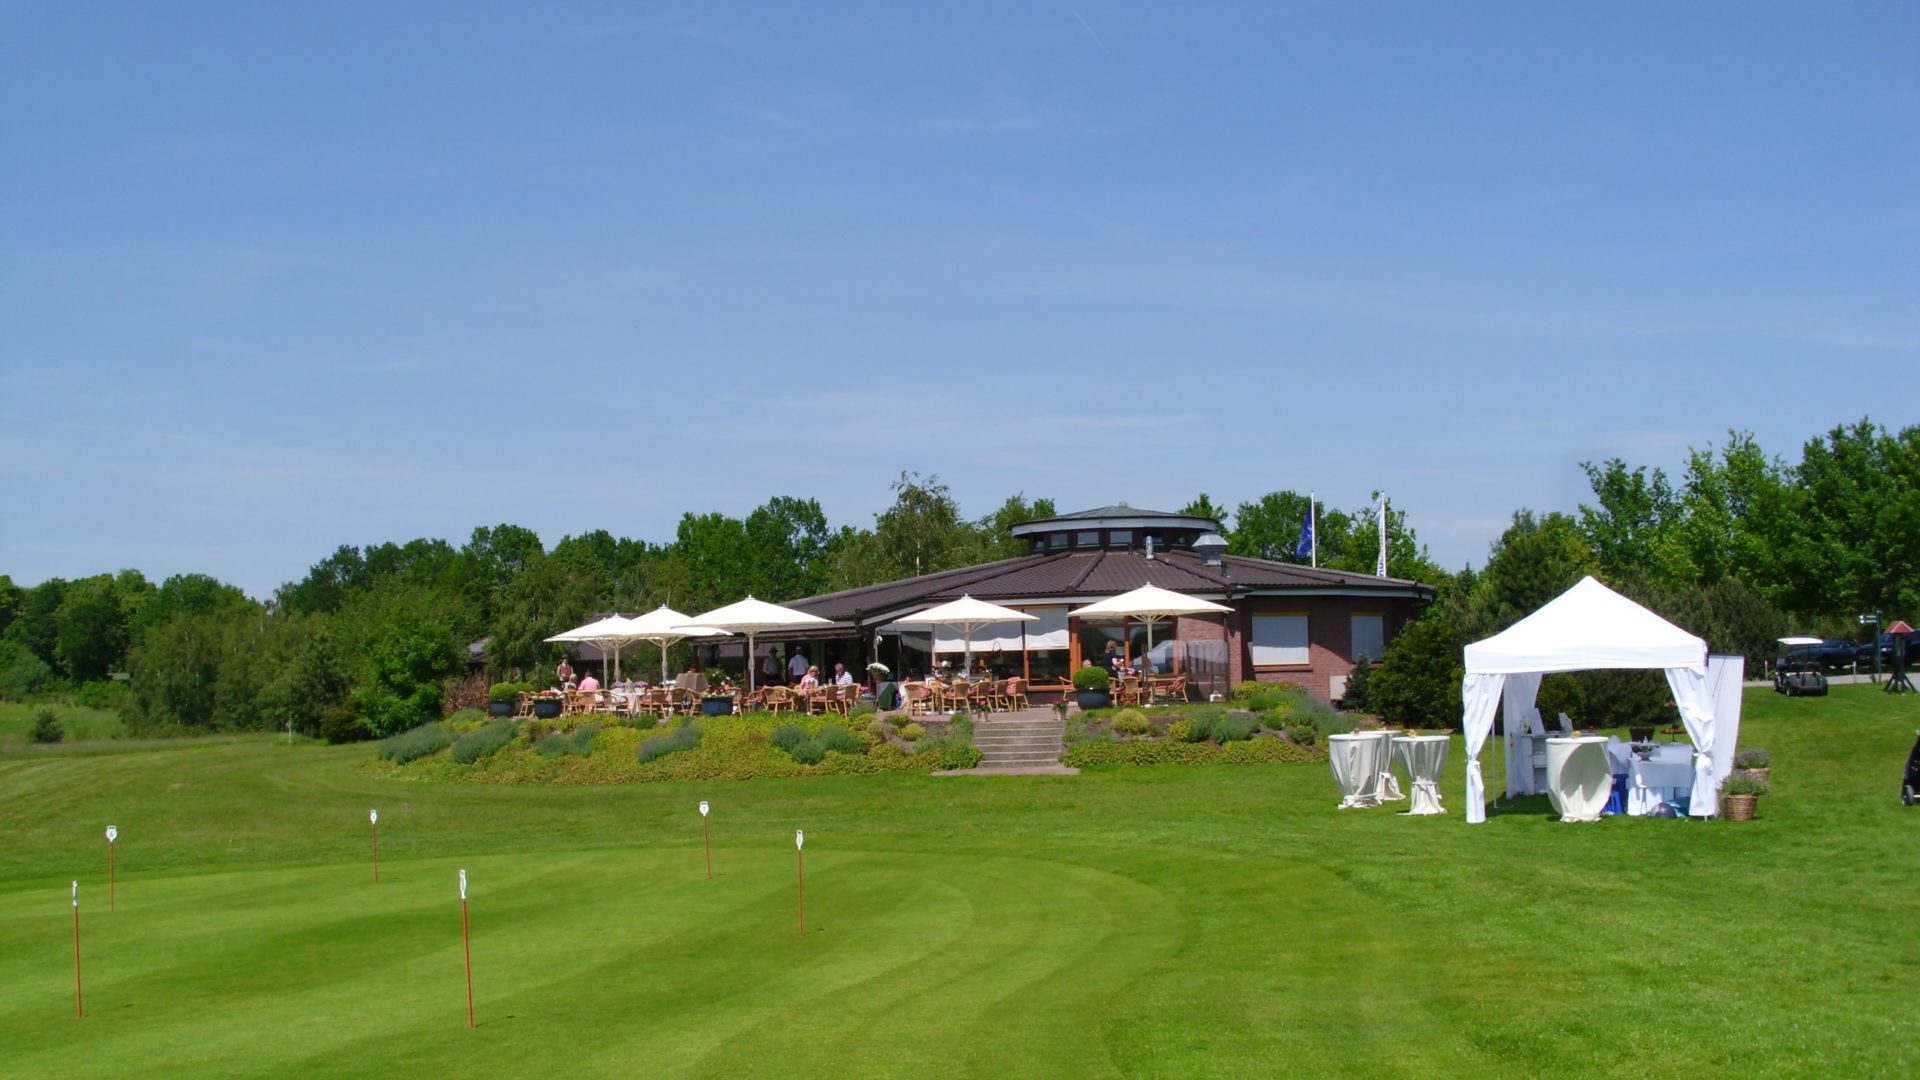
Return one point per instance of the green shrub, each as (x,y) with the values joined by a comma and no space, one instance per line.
(864,708)
(475,745)
(1742,782)
(508,691)
(341,724)
(808,751)
(415,744)
(1130,722)
(1091,678)
(836,737)
(1235,727)
(1178,730)
(1261,751)
(877,728)
(788,736)
(467,716)
(1074,729)
(1418,682)
(1753,759)
(100,694)
(575,743)
(913,732)
(46,727)
(1355,698)
(1199,726)
(899,719)
(679,738)
(1323,718)
(22,673)
(1304,734)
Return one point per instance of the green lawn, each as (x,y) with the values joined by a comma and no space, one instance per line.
(1150,921)
(79,721)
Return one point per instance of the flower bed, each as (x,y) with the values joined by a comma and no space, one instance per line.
(728,748)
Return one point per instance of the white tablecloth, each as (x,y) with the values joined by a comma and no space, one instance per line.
(1357,761)
(1423,757)
(1389,786)
(1578,777)
(1667,777)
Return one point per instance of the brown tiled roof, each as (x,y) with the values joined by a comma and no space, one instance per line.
(1092,575)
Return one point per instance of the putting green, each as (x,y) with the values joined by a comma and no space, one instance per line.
(1168,921)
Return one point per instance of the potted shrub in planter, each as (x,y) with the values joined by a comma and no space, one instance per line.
(1090,688)
(547,705)
(1742,790)
(1757,762)
(503,698)
(717,698)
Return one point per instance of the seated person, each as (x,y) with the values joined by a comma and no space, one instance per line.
(841,676)
(589,684)
(810,680)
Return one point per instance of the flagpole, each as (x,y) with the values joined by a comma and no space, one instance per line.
(1381,570)
(1313,528)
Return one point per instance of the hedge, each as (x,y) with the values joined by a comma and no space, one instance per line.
(1265,751)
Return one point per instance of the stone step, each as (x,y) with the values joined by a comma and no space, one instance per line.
(1024,746)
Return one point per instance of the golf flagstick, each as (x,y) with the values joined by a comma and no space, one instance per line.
(800,870)
(373,822)
(704,841)
(79,1006)
(112,835)
(466,944)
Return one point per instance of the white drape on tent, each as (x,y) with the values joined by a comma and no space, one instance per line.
(1724,676)
(1587,627)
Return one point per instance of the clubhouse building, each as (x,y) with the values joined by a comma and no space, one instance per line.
(1289,623)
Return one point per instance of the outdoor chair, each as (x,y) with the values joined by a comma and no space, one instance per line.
(777,699)
(526,706)
(1016,694)
(997,695)
(1127,691)
(849,697)
(919,698)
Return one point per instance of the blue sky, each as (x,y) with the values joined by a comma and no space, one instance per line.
(275,278)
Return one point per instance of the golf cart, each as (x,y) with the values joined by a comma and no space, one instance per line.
(1797,672)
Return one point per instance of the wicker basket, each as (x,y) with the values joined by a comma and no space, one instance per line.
(1764,774)
(1740,807)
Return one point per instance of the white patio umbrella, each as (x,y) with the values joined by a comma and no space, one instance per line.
(609,635)
(663,626)
(965,615)
(751,617)
(1149,604)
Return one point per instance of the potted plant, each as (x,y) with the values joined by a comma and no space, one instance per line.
(1060,707)
(1741,791)
(717,698)
(503,698)
(1757,762)
(547,705)
(1090,687)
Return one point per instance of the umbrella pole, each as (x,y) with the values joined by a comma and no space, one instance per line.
(750,663)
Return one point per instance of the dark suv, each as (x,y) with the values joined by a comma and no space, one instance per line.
(1833,653)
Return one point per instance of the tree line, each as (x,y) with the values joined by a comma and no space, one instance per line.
(1740,548)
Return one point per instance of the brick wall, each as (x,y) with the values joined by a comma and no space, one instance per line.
(1329,636)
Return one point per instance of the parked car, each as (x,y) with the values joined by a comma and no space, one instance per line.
(1828,654)
(1886,650)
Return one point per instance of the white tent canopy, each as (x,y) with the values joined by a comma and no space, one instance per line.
(1589,627)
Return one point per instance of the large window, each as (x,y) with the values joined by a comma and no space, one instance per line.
(1369,637)
(1280,639)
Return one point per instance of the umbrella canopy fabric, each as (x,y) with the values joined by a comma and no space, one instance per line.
(966,615)
(663,626)
(1149,604)
(751,617)
(609,635)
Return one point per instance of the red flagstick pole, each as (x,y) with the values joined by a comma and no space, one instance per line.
(466,944)
(79,1004)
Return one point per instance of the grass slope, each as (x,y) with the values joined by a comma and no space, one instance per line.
(1134,921)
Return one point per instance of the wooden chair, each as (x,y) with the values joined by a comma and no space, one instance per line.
(1127,691)
(997,696)
(919,698)
(849,697)
(1016,694)
(526,706)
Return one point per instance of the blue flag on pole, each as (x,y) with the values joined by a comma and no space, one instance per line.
(1305,547)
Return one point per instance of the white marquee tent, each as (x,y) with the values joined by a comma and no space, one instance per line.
(1587,627)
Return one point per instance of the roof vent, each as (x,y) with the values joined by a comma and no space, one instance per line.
(1210,546)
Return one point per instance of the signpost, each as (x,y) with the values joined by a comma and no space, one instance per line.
(112,835)
(79,1006)
(800,869)
(373,822)
(466,945)
(704,842)
(1873,620)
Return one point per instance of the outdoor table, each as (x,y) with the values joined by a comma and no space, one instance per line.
(1578,777)
(1389,787)
(1356,761)
(1665,777)
(1423,756)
